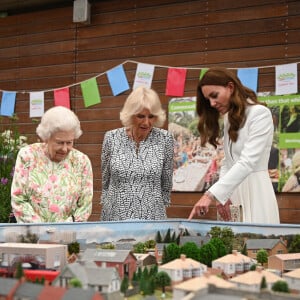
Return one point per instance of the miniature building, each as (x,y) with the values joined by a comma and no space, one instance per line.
(198,240)
(19,289)
(44,256)
(123,260)
(293,280)
(218,293)
(272,246)
(233,264)
(284,262)
(104,280)
(159,251)
(145,260)
(195,284)
(183,268)
(251,280)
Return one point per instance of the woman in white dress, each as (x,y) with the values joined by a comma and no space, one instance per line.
(248,134)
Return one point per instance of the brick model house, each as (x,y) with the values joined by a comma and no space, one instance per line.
(272,246)
(284,262)
(123,260)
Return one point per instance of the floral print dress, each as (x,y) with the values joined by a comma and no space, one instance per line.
(48,191)
(136,183)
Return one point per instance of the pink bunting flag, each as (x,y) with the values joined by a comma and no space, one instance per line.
(175,82)
(62,97)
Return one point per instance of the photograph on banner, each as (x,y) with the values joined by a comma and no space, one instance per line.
(195,168)
(284,162)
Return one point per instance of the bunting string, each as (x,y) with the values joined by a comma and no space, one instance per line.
(286,81)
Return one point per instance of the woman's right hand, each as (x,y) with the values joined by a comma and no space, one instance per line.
(201,207)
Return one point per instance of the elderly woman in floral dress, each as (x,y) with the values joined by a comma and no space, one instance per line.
(53,182)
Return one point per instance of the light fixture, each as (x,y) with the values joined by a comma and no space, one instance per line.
(81,11)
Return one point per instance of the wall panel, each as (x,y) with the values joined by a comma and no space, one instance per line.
(44,50)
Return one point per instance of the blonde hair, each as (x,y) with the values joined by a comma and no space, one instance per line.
(58,118)
(139,99)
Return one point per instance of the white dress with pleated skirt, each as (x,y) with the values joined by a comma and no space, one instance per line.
(244,177)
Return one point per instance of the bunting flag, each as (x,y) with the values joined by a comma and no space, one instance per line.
(175,82)
(36,103)
(202,72)
(117,80)
(143,76)
(62,97)
(249,77)
(90,92)
(8,104)
(286,79)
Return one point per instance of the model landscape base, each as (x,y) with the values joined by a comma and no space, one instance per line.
(132,230)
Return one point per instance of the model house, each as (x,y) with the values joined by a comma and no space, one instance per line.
(14,289)
(251,280)
(272,246)
(183,268)
(43,256)
(293,280)
(284,262)
(159,251)
(233,264)
(197,239)
(193,285)
(123,260)
(104,280)
(145,260)
(8,287)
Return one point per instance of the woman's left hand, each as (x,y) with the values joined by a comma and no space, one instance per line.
(224,210)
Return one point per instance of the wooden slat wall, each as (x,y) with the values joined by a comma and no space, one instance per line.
(44,50)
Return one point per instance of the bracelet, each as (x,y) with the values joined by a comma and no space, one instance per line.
(210,195)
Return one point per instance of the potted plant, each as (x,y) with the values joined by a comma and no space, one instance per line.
(10,143)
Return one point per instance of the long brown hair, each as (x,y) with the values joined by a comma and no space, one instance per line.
(208,125)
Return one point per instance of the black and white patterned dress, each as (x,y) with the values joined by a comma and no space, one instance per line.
(136,184)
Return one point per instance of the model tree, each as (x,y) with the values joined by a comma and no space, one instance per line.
(158,237)
(263,284)
(171,252)
(153,270)
(74,248)
(147,283)
(191,250)
(225,234)
(19,271)
(219,246)
(295,244)
(139,248)
(281,286)
(124,285)
(162,280)
(150,244)
(244,250)
(167,238)
(262,256)
(75,282)
(207,254)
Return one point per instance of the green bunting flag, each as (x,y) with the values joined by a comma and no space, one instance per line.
(90,92)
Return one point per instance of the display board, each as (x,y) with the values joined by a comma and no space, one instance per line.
(196,168)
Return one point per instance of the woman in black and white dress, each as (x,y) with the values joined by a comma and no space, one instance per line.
(137,161)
